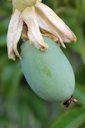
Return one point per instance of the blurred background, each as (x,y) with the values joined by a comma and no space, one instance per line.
(19,106)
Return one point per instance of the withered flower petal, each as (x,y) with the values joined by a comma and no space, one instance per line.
(14,33)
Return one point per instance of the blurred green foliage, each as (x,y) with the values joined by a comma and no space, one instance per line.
(19,106)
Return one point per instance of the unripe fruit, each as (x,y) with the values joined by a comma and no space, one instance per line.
(48,73)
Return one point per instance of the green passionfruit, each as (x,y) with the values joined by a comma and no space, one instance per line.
(49,73)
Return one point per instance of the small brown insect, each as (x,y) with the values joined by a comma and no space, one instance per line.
(68,101)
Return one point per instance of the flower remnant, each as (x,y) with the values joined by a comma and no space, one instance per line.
(32,19)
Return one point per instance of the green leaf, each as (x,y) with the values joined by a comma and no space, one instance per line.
(36,104)
(4,25)
(71,119)
(3,41)
(12,76)
(80,94)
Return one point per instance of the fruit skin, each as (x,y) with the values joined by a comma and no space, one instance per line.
(48,73)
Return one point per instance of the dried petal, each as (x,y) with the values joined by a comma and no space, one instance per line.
(49,21)
(34,35)
(13,36)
